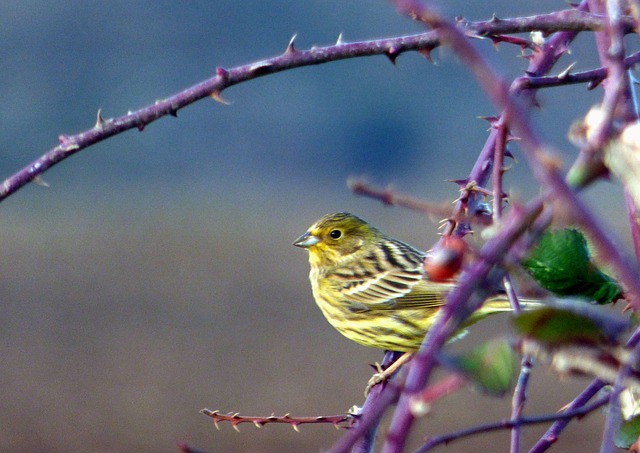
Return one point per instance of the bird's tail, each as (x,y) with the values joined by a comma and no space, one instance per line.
(501,303)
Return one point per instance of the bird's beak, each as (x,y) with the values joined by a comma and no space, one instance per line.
(306,240)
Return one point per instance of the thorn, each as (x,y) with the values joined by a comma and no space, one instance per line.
(39,181)
(295,427)
(215,95)
(291,46)
(492,120)
(141,127)
(222,73)
(494,18)
(564,74)
(593,84)
(426,52)
(99,120)
(339,41)
(392,54)
(235,426)
(173,113)
(257,424)
(460,182)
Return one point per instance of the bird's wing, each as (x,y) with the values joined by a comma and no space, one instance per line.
(392,277)
(396,290)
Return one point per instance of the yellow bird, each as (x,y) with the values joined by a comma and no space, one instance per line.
(372,288)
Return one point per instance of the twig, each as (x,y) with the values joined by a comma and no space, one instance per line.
(594,387)
(592,77)
(505,424)
(581,400)
(498,165)
(366,441)
(518,400)
(236,419)
(390,197)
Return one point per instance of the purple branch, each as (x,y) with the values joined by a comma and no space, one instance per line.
(498,166)
(566,415)
(550,437)
(554,431)
(571,20)
(518,400)
(366,442)
(593,77)
(381,398)
(519,394)
(290,59)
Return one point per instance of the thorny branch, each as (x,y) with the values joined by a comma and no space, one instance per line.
(513,423)
(339,421)
(290,59)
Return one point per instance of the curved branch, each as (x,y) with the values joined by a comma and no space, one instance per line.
(292,58)
(506,424)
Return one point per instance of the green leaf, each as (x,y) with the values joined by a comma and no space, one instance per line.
(491,366)
(628,433)
(554,326)
(561,263)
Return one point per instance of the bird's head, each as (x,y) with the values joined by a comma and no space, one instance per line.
(335,237)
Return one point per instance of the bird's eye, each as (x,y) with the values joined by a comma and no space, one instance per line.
(335,234)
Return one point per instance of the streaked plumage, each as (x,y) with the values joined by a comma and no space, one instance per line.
(372,288)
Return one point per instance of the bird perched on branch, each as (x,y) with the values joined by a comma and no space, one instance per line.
(373,288)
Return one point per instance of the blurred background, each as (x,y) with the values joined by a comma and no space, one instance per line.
(156,277)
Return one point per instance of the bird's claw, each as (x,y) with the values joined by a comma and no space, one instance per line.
(378,378)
